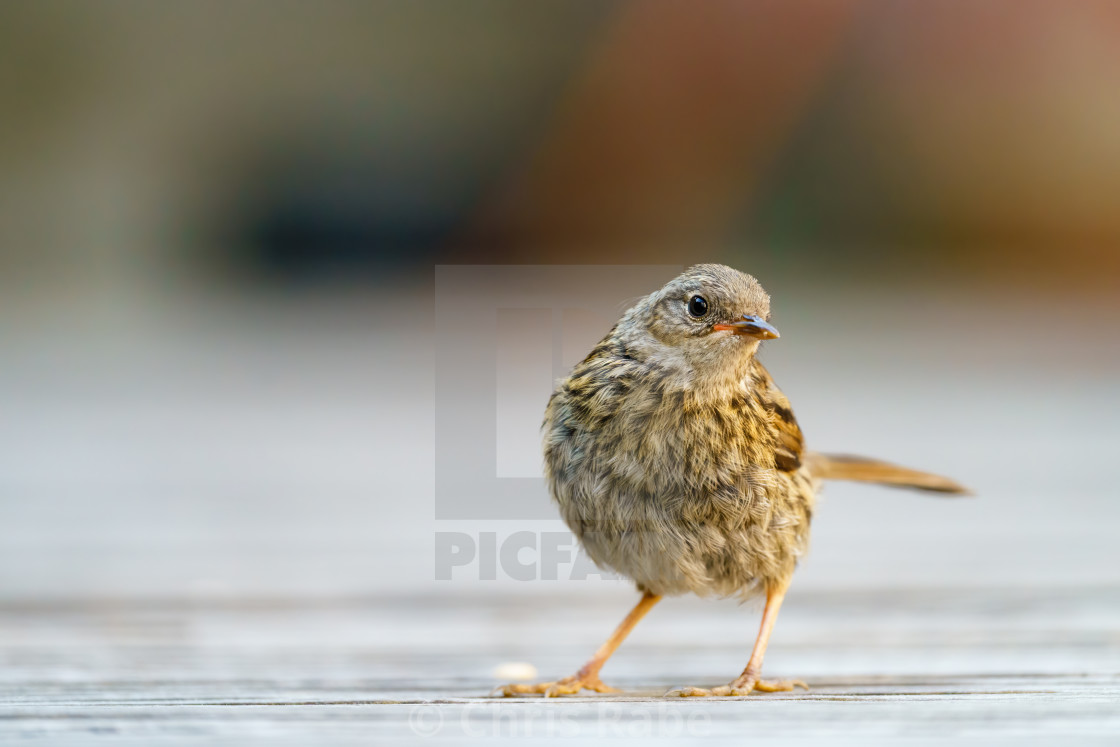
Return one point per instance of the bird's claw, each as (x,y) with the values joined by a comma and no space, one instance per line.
(779,686)
(567,686)
(739,688)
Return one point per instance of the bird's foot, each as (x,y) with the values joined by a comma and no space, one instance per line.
(567,686)
(741,686)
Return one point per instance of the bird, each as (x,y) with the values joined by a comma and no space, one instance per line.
(677,462)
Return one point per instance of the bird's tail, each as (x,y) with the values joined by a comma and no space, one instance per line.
(860,469)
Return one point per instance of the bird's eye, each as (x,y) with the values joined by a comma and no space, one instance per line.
(697,306)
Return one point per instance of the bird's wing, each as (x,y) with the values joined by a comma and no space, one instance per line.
(789,443)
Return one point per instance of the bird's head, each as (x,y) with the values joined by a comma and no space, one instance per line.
(710,318)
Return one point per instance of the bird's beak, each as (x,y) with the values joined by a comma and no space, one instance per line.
(751,326)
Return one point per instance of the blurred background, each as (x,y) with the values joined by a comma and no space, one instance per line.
(219,224)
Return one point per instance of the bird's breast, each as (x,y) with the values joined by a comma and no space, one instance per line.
(658,443)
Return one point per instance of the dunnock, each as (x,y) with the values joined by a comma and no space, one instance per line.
(678,463)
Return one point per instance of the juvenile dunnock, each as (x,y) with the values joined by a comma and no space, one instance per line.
(678,463)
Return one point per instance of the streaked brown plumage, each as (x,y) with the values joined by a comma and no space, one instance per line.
(678,462)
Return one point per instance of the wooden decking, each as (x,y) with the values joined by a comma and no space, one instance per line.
(1038,666)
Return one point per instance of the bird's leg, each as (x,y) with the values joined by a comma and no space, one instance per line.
(587,678)
(749,680)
